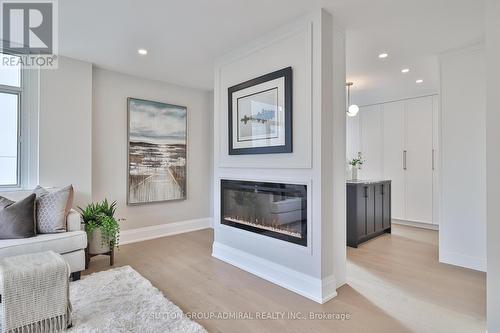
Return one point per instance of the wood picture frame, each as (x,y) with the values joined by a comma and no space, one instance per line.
(156,152)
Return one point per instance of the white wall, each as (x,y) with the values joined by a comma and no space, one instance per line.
(65,127)
(352,137)
(315,50)
(371,141)
(109,147)
(493,162)
(338,150)
(462,237)
(83,141)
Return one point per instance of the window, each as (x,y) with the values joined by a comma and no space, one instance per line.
(10,115)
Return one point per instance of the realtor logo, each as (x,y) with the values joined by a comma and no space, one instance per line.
(29,28)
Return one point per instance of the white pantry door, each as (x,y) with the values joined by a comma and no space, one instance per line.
(419,173)
(393,143)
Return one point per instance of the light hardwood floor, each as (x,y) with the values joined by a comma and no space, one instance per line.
(395,284)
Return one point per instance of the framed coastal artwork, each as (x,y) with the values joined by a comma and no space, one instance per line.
(157,142)
(260,115)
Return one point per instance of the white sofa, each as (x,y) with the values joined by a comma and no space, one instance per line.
(71,244)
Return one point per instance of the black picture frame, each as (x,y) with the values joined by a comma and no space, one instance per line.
(285,73)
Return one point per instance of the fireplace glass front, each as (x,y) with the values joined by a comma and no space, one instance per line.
(271,209)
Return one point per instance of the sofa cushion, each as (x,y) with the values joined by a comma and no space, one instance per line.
(17,219)
(60,243)
(52,208)
(74,221)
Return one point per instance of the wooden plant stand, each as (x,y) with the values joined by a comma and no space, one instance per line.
(111,255)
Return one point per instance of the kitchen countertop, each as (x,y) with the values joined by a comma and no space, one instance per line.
(367,181)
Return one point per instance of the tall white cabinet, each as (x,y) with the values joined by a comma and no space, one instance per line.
(393,135)
(399,142)
(418,165)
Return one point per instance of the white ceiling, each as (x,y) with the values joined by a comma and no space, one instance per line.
(184,37)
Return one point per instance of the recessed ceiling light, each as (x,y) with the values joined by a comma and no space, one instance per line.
(405,70)
(383,55)
(142,51)
(419,81)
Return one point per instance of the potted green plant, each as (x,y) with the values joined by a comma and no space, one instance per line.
(355,165)
(103,229)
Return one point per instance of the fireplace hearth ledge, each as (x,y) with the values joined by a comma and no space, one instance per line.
(318,290)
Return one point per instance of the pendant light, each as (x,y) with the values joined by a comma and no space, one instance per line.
(352,109)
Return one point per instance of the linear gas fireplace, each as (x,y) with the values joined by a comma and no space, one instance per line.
(271,209)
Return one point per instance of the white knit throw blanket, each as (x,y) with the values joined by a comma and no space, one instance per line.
(35,293)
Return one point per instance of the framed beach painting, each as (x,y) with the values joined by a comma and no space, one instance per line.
(157,142)
(260,115)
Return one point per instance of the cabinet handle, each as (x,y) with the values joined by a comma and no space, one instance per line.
(404,159)
(382,190)
(366,191)
(432,159)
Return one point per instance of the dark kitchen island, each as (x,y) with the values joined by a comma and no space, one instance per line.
(368,210)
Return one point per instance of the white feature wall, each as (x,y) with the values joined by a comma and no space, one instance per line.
(65,128)
(109,148)
(314,47)
(462,237)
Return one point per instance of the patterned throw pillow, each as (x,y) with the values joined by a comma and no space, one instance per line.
(52,209)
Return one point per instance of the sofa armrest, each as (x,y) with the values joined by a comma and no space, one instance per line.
(74,221)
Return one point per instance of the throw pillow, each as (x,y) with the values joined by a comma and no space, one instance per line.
(52,209)
(17,219)
(4,202)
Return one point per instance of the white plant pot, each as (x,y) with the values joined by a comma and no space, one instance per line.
(354,173)
(95,243)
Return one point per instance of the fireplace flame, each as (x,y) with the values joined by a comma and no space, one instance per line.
(271,225)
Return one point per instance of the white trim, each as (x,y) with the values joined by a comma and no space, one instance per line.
(473,46)
(30,110)
(457,259)
(330,285)
(318,290)
(11,189)
(416,224)
(28,128)
(399,100)
(163,230)
(436,146)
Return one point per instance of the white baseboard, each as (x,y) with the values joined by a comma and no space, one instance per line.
(330,286)
(318,290)
(162,230)
(416,224)
(457,259)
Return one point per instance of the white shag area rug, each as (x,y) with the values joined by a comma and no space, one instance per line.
(121,300)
